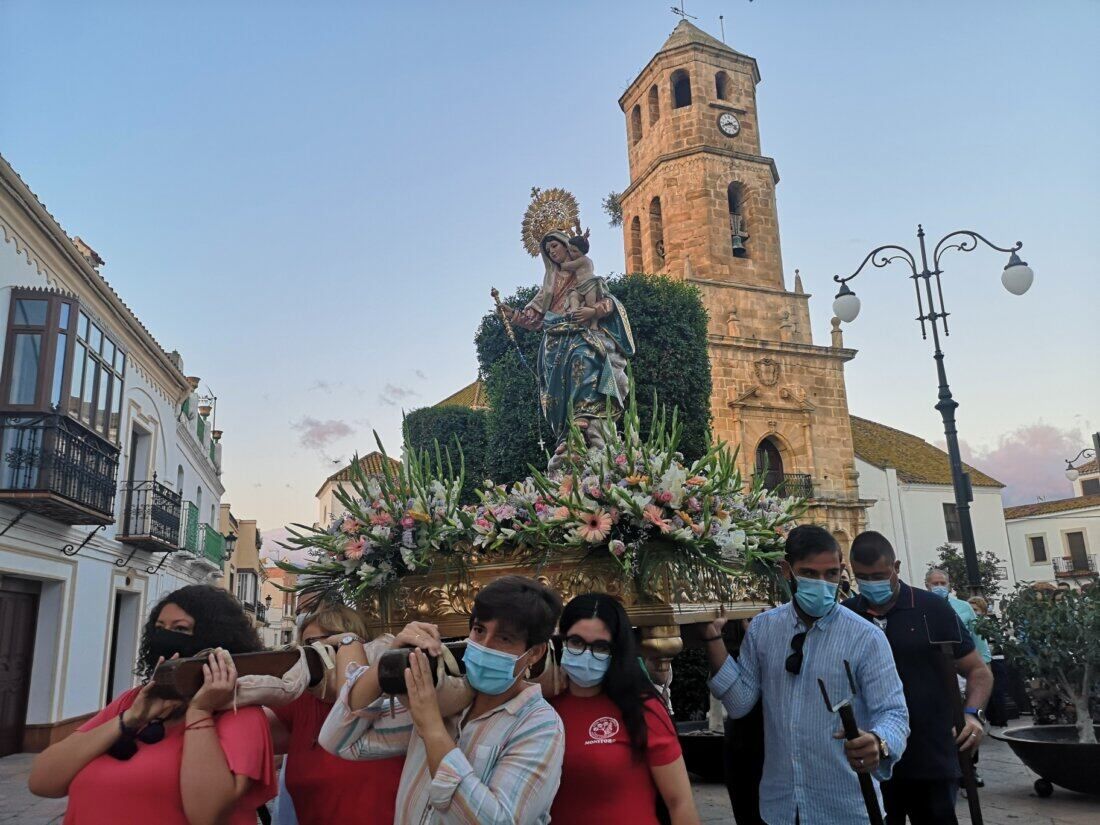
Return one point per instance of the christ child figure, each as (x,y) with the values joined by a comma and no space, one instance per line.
(586,288)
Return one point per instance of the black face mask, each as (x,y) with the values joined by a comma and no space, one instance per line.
(167,643)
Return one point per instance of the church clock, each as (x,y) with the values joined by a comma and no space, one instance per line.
(728,124)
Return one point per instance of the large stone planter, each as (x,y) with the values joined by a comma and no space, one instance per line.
(1053,752)
(445,597)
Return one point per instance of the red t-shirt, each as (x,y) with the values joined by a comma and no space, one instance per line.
(601,781)
(326,789)
(146,787)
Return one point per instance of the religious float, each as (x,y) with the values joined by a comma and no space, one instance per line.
(618,508)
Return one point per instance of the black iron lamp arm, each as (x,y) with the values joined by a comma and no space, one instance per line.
(1087,453)
(968,243)
(882,260)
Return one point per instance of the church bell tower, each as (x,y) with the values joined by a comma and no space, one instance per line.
(701,207)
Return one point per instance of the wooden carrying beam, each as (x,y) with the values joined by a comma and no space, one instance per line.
(182,678)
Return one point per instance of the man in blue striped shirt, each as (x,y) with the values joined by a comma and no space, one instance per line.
(809,770)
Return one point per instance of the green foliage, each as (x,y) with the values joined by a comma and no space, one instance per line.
(426,427)
(952,560)
(613,206)
(1053,636)
(670,335)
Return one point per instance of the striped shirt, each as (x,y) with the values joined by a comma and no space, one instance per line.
(806,774)
(506,768)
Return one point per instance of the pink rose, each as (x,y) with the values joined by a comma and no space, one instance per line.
(408,522)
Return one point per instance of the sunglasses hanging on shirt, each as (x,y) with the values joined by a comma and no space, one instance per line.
(126,745)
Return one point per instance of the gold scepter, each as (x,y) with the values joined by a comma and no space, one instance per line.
(511,333)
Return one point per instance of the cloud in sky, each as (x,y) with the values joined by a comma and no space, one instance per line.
(272,546)
(392,394)
(420,374)
(1030,460)
(321,385)
(316,435)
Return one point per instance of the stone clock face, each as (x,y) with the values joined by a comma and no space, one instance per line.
(728,124)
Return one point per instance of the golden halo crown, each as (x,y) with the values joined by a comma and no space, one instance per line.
(550,210)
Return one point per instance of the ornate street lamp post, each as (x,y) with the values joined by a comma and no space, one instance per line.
(1072,472)
(1016,278)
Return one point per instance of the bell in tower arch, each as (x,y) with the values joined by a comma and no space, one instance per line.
(738,235)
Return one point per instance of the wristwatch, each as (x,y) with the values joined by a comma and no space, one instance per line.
(349,639)
(883,748)
(978,713)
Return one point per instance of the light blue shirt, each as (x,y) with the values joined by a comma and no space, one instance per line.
(966,613)
(805,770)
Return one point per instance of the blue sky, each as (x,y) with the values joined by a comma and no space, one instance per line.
(311,201)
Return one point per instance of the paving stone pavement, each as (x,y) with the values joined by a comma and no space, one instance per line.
(1007,799)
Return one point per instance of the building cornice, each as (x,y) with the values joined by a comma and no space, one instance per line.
(730,154)
(50,230)
(841,354)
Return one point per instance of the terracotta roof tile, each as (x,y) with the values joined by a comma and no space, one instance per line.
(1088,468)
(915,460)
(1042,508)
(472,396)
(371,464)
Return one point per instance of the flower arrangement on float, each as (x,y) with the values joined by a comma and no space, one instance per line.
(400,522)
(633,503)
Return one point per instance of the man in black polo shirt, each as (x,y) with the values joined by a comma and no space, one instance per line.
(925,781)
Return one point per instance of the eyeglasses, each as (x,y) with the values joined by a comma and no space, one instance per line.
(794,661)
(601,650)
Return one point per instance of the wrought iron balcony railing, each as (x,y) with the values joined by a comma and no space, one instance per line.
(1069,566)
(787,484)
(150,516)
(53,466)
(213,545)
(261,613)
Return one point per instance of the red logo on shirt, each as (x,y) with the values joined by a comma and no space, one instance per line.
(604,728)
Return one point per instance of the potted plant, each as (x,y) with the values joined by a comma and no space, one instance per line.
(1053,635)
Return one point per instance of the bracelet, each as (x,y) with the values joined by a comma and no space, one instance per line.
(711,638)
(195,725)
(129,733)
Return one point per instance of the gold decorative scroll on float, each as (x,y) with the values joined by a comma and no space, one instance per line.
(445,599)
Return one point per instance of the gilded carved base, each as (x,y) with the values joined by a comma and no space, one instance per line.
(445,599)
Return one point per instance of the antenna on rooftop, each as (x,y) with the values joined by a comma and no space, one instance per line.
(722,23)
(680,11)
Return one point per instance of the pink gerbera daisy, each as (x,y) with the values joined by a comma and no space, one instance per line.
(595,526)
(354,549)
(653,514)
(350,525)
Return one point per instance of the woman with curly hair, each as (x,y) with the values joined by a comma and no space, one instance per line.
(622,755)
(146,759)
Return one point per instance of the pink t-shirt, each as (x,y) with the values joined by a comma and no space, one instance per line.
(146,787)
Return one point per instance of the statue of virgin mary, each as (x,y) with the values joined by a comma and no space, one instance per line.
(586,342)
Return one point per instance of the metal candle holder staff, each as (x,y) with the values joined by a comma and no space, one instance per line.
(851,731)
(946,661)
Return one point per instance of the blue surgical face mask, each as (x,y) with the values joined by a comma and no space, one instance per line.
(816,597)
(877,593)
(583,669)
(940,590)
(490,671)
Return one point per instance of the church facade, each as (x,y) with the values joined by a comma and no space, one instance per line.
(701,207)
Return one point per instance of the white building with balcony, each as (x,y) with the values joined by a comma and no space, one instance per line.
(109,478)
(1059,540)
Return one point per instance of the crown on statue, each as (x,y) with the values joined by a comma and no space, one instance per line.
(550,210)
